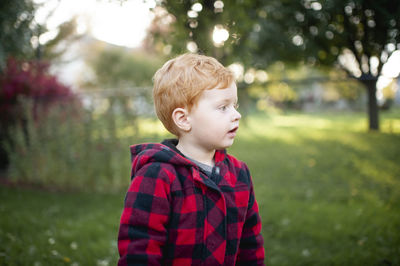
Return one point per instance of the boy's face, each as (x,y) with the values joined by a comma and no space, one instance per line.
(214,119)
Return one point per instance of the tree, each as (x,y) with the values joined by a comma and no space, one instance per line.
(21,36)
(23,72)
(27,80)
(16,31)
(117,67)
(124,75)
(54,49)
(215,28)
(355,35)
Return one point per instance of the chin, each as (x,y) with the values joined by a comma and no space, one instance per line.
(225,146)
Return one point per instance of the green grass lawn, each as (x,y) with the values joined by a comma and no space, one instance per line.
(328,192)
(48,228)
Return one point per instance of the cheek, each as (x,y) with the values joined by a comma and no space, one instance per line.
(209,122)
(214,127)
(208,125)
(205,116)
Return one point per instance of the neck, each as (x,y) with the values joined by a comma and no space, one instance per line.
(196,152)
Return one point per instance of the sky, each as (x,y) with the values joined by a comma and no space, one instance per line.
(121,23)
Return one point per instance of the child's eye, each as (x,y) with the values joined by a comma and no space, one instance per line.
(223,108)
(236,106)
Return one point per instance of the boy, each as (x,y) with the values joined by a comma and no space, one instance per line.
(189,202)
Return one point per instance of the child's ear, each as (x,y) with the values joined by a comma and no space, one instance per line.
(181,120)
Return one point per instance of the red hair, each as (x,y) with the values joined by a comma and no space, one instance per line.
(180,82)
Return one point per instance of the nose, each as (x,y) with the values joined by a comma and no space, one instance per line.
(236,115)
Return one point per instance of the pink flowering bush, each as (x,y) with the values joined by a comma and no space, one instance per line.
(52,141)
(29,80)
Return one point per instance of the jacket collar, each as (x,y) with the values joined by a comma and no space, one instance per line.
(171,143)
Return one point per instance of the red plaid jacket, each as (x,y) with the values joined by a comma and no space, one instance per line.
(175,215)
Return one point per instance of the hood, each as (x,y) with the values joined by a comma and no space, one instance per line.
(165,152)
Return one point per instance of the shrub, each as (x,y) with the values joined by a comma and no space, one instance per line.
(30,80)
(67,151)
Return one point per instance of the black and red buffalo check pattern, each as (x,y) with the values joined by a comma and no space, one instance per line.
(175,215)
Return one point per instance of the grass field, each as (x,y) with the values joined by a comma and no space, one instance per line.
(328,191)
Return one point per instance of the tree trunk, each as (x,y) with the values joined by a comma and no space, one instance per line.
(373,110)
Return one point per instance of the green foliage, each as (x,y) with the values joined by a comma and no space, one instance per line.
(328,194)
(20,33)
(320,31)
(53,49)
(326,32)
(198,28)
(349,89)
(16,19)
(281,92)
(262,32)
(121,68)
(389,92)
(70,149)
(30,79)
(290,86)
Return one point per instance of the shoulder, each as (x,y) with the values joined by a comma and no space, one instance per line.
(151,152)
(163,172)
(152,156)
(239,173)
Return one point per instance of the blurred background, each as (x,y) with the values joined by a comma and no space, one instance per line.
(318,90)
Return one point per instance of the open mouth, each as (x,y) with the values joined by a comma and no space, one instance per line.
(233,130)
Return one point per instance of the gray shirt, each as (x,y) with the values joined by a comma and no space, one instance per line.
(212,172)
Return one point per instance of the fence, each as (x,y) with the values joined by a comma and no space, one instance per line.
(78,146)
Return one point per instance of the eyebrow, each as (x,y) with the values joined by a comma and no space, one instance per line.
(228,100)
